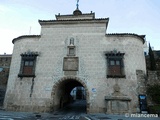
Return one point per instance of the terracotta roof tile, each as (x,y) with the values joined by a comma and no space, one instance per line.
(24,36)
(74,20)
(142,37)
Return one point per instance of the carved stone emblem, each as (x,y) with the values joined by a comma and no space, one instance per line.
(117,90)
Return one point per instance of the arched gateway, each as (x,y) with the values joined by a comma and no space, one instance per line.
(46,67)
(61,92)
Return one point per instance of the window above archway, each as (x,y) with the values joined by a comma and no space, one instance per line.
(71,48)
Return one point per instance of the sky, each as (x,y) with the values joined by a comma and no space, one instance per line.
(20,17)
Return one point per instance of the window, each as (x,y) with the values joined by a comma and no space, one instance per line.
(28,62)
(115,66)
(28,67)
(71,51)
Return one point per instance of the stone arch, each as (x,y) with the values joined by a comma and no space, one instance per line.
(66,78)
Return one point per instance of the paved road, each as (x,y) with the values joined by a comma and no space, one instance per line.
(72,111)
(75,111)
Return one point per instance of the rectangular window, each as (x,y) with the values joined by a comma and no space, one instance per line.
(28,63)
(118,62)
(112,62)
(71,51)
(115,67)
(28,67)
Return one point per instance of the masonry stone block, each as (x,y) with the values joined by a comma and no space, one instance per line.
(91,43)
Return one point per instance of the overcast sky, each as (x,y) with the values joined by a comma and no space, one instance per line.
(20,17)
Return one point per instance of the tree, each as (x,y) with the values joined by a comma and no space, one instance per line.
(154,92)
(152,59)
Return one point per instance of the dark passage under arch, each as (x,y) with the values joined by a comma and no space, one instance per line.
(62,98)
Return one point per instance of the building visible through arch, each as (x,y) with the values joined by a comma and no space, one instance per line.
(78,93)
(62,89)
(75,50)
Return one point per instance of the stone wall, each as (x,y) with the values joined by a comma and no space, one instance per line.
(91,44)
(5,61)
(153,77)
(142,82)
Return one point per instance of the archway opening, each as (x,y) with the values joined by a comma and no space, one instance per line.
(78,93)
(70,95)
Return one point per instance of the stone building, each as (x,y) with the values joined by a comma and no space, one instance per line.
(78,93)
(75,51)
(5,61)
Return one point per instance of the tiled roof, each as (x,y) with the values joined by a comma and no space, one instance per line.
(24,36)
(74,20)
(5,55)
(142,37)
(92,13)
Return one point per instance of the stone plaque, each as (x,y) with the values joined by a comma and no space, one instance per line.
(70,64)
(119,106)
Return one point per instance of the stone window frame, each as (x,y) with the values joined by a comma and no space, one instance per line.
(31,58)
(114,56)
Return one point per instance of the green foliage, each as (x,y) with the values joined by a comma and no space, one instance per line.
(154,109)
(152,59)
(154,92)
